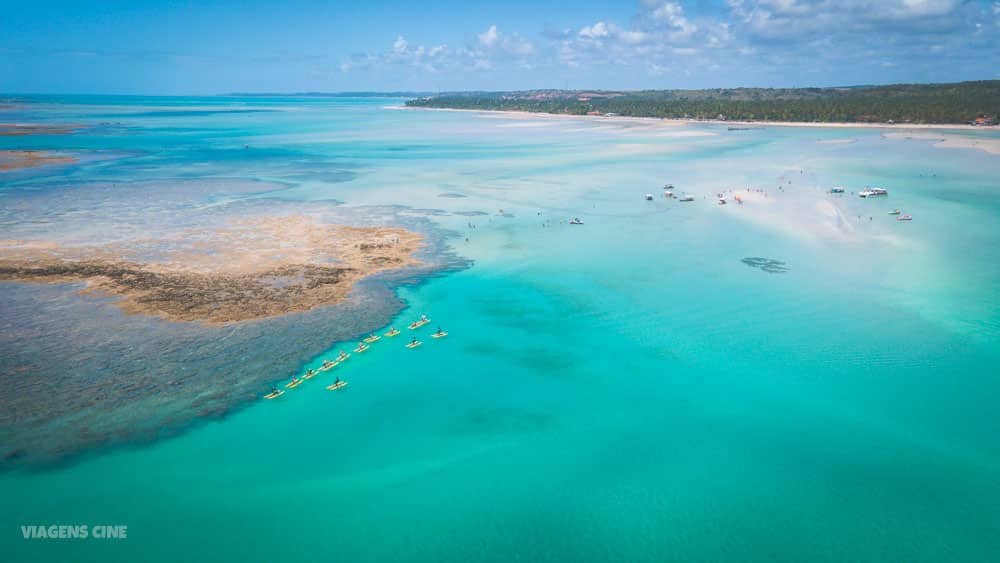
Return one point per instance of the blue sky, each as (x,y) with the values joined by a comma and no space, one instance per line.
(186,47)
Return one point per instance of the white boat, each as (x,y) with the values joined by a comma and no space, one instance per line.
(904,218)
(895,212)
(873,192)
(649,197)
(687,198)
(575,221)
(668,194)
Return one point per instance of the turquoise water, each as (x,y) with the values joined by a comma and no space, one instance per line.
(625,390)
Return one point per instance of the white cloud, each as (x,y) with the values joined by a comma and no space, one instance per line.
(491,48)
(596,31)
(769,35)
(490,37)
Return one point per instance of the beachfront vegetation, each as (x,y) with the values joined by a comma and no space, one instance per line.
(959,102)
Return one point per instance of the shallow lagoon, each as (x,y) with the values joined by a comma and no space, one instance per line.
(629,389)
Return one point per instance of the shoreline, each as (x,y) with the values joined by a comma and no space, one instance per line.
(518,114)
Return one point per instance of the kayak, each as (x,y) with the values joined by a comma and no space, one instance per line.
(342,358)
(310,374)
(336,386)
(439,335)
(330,365)
(414,344)
(274,394)
(392,332)
(371,339)
(294,384)
(417,324)
(360,349)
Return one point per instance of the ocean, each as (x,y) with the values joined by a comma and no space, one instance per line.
(800,377)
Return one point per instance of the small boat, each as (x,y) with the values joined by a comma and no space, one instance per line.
(722,200)
(837,190)
(668,187)
(392,333)
(575,221)
(309,374)
(439,334)
(372,338)
(649,197)
(274,394)
(895,212)
(414,344)
(361,348)
(873,192)
(294,383)
(337,385)
(904,218)
(327,364)
(687,198)
(342,357)
(668,194)
(417,324)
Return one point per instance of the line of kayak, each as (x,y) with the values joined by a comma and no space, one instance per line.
(342,357)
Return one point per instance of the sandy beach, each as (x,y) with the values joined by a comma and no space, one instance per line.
(669,122)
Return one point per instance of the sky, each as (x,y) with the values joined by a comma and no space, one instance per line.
(214,47)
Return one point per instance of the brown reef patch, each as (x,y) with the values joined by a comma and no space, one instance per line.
(251,269)
(23,129)
(17,159)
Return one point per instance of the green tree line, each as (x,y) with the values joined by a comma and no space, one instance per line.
(903,103)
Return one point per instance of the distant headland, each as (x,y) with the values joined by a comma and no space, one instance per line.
(961,103)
